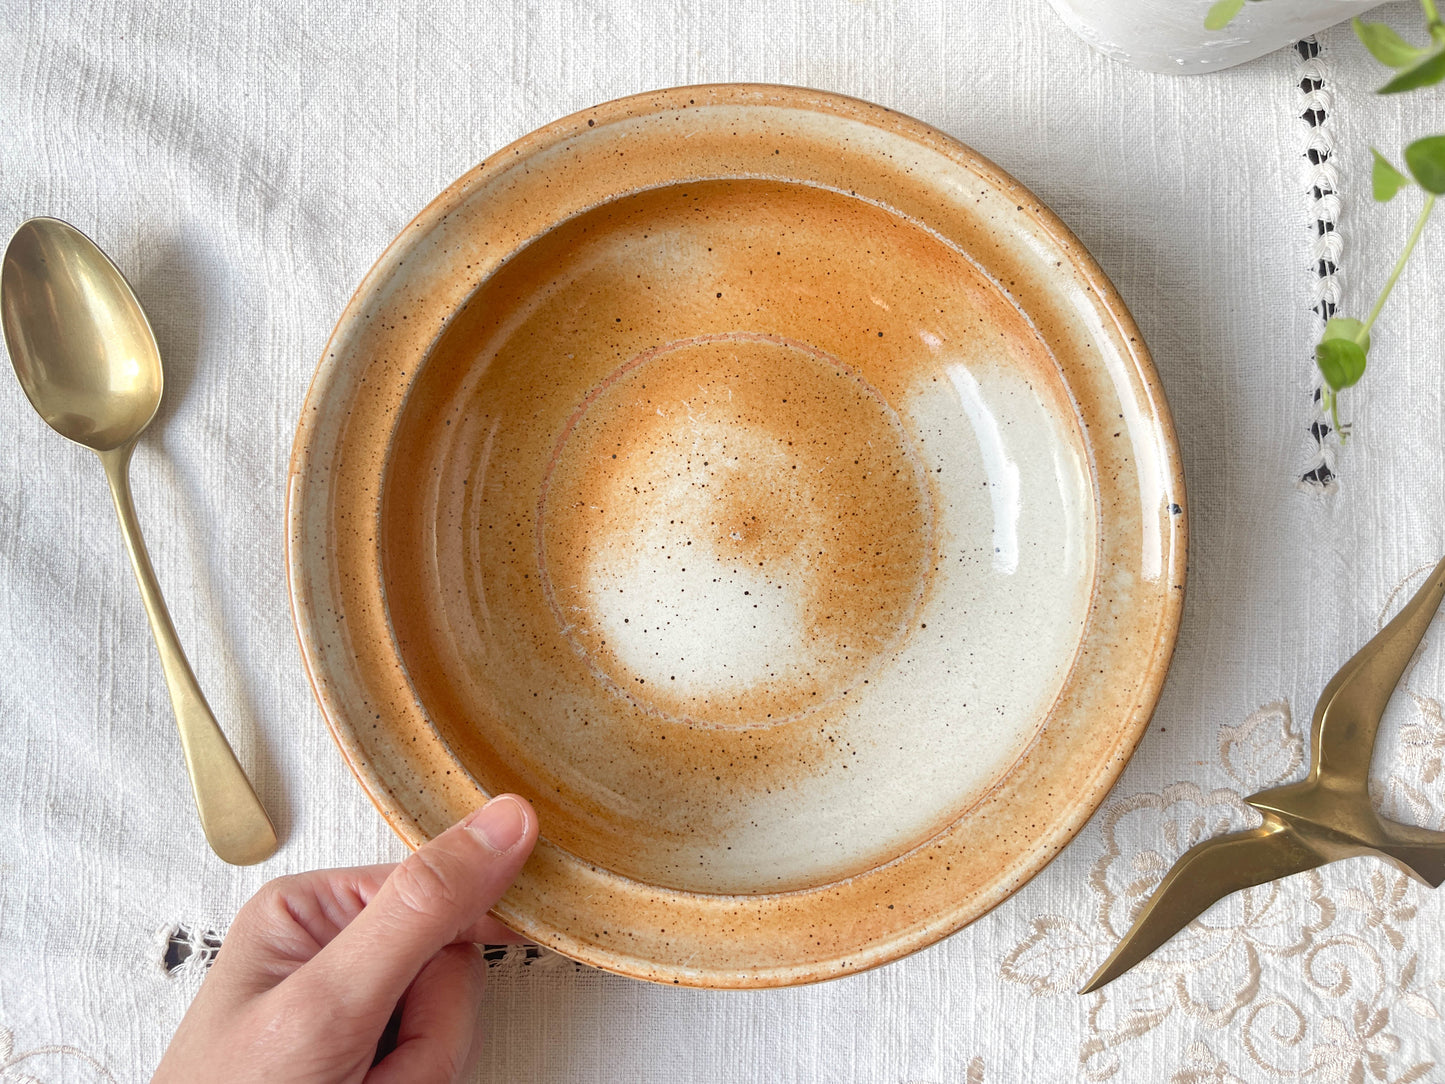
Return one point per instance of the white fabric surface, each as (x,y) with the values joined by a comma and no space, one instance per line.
(245,169)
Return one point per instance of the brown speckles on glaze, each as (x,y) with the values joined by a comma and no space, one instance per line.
(639,535)
(467,627)
(775,473)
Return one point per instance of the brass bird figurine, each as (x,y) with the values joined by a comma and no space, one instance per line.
(1325,817)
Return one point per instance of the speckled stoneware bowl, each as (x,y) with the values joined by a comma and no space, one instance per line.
(771,490)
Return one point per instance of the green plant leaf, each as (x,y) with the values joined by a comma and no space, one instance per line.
(1386,46)
(1346,327)
(1385,178)
(1425,72)
(1426,160)
(1222,13)
(1341,362)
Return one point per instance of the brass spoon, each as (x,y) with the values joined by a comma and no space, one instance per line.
(88,362)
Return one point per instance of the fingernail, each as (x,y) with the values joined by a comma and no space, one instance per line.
(500,823)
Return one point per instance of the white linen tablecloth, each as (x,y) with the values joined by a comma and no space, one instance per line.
(245,165)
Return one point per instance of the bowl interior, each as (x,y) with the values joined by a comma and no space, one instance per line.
(745,526)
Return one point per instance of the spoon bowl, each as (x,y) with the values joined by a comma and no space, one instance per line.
(85,354)
(79,340)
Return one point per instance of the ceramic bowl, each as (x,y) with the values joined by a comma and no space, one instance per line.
(773,492)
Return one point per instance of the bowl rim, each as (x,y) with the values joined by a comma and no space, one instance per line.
(1149,682)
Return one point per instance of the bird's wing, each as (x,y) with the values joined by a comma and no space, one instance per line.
(1204,874)
(1348,713)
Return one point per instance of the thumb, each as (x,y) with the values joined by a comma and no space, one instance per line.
(433,899)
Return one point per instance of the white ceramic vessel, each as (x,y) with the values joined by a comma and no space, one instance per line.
(1169,36)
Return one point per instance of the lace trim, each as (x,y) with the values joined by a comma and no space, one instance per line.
(1322,187)
(181,951)
(12,1067)
(535,957)
(1304,979)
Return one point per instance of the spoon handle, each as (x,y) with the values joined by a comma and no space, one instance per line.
(235,823)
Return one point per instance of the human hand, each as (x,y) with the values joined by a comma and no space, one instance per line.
(314,966)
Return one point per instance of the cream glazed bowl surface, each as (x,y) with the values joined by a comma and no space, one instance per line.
(772,491)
